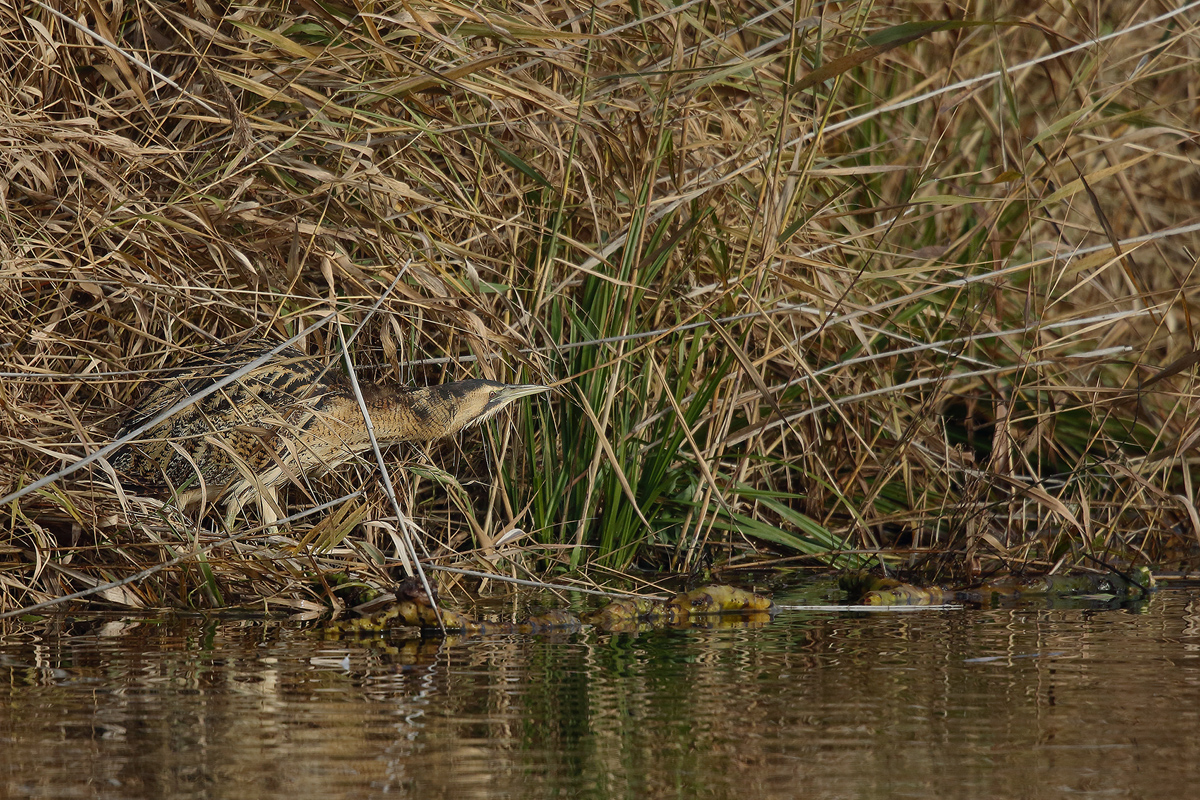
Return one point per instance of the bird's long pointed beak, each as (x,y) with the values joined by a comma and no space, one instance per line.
(515,391)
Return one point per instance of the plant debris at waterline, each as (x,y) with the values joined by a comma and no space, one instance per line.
(827,285)
(705,605)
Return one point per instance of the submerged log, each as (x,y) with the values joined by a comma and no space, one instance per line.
(1106,586)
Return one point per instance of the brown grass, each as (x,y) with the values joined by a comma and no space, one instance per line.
(914,359)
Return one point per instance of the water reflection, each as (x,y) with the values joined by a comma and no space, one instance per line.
(1018,702)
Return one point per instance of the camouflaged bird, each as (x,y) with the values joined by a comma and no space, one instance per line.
(286,418)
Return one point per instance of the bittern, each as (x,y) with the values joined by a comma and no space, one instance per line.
(286,418)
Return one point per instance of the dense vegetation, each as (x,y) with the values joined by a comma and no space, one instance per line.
(816,282)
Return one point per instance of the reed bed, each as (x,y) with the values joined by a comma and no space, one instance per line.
(820,284)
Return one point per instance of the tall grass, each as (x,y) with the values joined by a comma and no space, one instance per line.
(814,284)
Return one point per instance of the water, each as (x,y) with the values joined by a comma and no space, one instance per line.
(1029,702)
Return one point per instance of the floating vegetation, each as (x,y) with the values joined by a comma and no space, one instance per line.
(687,608)
(697,607)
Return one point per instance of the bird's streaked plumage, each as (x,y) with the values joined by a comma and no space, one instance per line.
(289,417)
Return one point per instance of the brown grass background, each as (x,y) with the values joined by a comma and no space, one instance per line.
(919,363)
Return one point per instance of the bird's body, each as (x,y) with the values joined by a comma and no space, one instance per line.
(288,417)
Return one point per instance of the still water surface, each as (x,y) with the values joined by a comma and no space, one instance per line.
(1030,702)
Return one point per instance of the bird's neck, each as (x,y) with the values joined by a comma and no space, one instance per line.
(409,414)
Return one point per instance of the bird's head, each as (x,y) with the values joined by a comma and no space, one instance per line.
(473,402)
